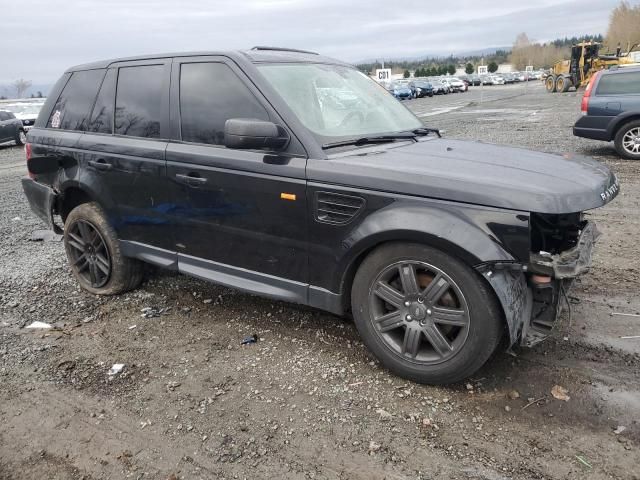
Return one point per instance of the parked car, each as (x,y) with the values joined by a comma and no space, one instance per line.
(26,111)
(440,88)
(475,80)
(611,110)
(497,80)
(11,128)
(400,91)
(440,249)
(509,78)
(455,85)
(421,88)
(486,79)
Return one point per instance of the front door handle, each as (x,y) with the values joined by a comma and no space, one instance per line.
(191,179)
(100,164)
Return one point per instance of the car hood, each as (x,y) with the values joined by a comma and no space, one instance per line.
(476,173)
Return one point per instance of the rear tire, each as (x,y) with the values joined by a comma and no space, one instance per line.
(627,140)
(550,84)
(562,84)
(425,315)
(94,254)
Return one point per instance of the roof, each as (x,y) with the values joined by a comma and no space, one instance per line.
(255,55)
(623,68)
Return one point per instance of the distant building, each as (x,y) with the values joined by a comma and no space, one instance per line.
(505,68)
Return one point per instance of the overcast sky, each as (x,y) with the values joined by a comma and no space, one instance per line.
(41,38)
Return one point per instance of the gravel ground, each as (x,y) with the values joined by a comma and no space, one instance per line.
(307,400)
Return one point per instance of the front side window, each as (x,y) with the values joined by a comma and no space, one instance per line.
(71,111)
(139,101)
(337,102)
(211,94)
(619,84)
(4,116)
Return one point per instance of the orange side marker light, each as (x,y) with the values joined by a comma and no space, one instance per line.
(288,196)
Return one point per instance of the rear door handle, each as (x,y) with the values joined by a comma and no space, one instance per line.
(100,165)
(191,179)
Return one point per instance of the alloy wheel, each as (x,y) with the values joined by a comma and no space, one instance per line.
(419,312)
(89,255)
(631,141)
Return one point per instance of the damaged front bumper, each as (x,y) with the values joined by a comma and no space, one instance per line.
(571,263)
(532,306)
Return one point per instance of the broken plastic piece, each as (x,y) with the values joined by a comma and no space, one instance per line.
(116,368)
(250,339)
(41,325)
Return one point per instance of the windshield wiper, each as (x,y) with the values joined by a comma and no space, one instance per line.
(427,131)
(368,140)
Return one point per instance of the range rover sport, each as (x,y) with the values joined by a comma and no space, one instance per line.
(294,176)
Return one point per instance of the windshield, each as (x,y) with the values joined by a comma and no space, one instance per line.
(337,102)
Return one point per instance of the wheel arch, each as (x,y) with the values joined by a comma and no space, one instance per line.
(619,122)
(469,256)
(71,195)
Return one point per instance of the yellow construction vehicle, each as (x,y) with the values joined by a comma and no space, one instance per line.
(586,59)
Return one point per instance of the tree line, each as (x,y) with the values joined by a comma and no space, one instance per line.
(623,32)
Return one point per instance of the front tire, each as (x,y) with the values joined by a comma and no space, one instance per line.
(21,137)
(94,254)
(424,314)
(627,140)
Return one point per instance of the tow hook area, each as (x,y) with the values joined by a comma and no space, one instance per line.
(509,283)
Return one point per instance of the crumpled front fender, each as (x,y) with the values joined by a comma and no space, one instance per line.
(509,284)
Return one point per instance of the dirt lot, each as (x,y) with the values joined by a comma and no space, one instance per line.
(308,401)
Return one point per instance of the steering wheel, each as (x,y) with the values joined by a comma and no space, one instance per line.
(350,116)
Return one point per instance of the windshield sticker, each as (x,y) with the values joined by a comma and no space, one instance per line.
(55,119)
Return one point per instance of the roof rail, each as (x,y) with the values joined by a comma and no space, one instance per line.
(281,49)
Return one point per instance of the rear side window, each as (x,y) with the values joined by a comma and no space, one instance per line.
(71,111)
(210,94)
(4,116)
(139,101)
(102,115)
(619,84)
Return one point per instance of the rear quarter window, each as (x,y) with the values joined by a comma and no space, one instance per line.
(619,84)
(71,111)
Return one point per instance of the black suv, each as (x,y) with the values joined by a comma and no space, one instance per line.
(611,110)
(294,176)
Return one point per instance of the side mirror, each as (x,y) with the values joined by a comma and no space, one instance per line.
(249,133)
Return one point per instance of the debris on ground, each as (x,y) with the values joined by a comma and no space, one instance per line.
(66,365)
(152,312)
(39,325)
(630,337)
(619,429)
(513,395)
(619,314)
(384,415)
(374,447)
(583,461)
(533,401)
(249,340)
(45,236)
(560,393)
(116,368)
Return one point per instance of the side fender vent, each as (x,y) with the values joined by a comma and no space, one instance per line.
(336,208)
